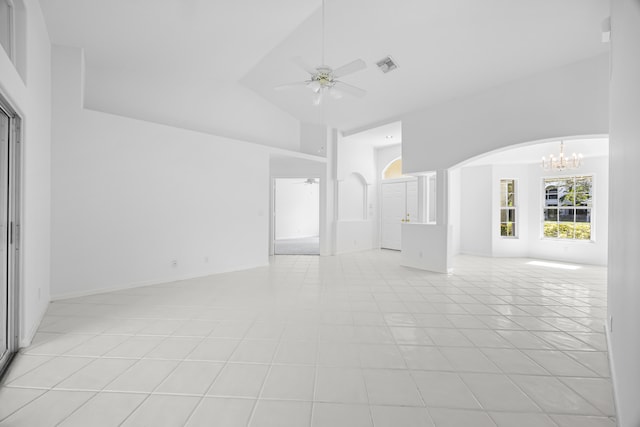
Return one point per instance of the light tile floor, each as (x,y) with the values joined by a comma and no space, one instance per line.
(352,340)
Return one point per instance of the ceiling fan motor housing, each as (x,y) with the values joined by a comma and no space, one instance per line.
(324,77)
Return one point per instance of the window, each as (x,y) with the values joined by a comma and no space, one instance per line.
(393,170)
(567,207)
(508,207)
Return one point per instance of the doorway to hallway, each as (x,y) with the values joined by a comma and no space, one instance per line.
(296,216)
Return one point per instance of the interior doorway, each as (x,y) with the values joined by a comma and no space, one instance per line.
(399,205)
(9,231)
(296,216)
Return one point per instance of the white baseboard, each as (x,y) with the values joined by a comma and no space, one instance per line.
(612,372)
(141,284)
(25,340)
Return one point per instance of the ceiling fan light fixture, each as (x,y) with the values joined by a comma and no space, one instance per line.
(317,97)
(314,85)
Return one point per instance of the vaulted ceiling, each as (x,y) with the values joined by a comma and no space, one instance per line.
(212,65)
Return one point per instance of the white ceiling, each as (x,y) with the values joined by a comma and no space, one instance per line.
(197,63)
(379,136)
(533,153)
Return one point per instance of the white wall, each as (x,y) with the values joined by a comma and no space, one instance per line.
(297,209)
(32,100)
(571,100)
(455,210)
(356,178)
(352,193)
(476,211)
(624,230)
(426,246)
(130,197)
(356,157)
(226,109)
(479,214)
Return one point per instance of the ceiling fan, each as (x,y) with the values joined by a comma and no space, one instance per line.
(324,79)
(309,181)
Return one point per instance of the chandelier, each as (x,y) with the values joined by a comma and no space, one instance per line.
(561,163)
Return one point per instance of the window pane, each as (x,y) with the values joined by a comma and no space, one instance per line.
(393,170)
(566,215)
(551,215)
(566,230)
(583,184)
(583,215)
(511,215)
(507,192)
(551,196)
(507,229)
(583,231)
(566,199)
(550,229)
(503,196)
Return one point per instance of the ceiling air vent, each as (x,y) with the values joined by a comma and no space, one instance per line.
(387,64)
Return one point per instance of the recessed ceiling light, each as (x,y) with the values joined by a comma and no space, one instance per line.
(389,136)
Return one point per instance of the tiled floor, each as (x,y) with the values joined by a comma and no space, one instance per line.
(352,341)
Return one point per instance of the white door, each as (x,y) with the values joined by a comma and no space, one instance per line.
(394,196)
(399,204)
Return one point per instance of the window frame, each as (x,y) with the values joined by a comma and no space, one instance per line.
(513,208)
(590,208)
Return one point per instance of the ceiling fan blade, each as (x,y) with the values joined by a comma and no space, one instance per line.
(303,64)
(351,90)
(290,85)
(349,68)
(335,93)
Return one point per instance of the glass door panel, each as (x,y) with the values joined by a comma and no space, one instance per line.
(4,234)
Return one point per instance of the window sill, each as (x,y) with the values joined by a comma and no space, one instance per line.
(574,241)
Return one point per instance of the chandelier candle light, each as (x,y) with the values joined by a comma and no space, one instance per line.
(562,163)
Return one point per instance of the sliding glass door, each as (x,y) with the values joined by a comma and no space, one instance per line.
(9,237)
